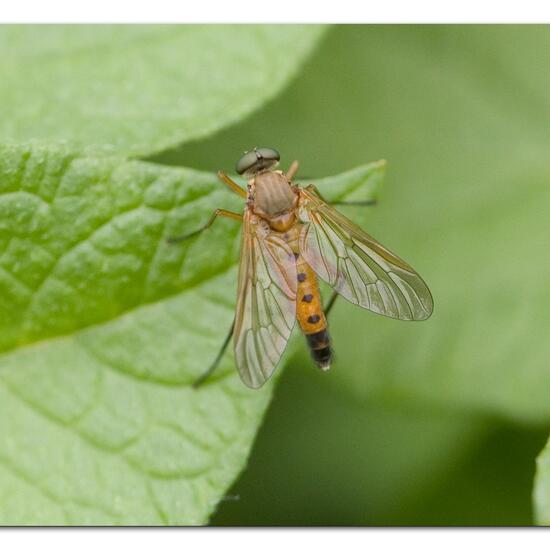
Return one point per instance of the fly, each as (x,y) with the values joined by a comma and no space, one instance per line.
(291,237)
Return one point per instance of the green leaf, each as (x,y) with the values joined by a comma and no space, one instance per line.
(104,327)
(462,114)
(141,88)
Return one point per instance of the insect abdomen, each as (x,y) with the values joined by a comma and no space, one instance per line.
(309,311)
(319,346)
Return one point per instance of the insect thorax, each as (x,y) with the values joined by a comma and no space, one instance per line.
(273,194)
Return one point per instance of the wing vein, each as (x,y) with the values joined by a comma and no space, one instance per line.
(357,266)
(266,301)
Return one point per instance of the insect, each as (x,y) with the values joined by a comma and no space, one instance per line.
(290,237)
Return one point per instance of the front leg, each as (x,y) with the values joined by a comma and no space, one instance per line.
(217,213)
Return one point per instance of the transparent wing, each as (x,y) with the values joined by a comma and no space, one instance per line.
(266,301)
(357,266)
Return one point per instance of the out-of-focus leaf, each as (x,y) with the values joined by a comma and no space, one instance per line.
(141,88)
(367,464)
(541,491)
(462,115)
(343,463)
(103,328)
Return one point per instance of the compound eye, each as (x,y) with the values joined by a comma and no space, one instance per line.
(269,154)
(246,162)
(257,160)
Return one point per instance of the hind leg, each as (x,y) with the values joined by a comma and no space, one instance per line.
(210,370)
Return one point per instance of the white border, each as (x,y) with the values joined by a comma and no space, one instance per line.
(274,11)
(275,539)
(280,11)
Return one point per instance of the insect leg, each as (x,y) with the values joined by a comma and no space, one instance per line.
(201,379)
(370,202)
(218,212)
(330,302)
(236,188)
(292,170)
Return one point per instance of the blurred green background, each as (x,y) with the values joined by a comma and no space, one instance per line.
(437,422)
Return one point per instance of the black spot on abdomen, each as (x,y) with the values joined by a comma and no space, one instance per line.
(312,319)
(301,277)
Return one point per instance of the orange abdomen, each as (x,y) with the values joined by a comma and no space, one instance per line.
(309,311)
(309,308)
